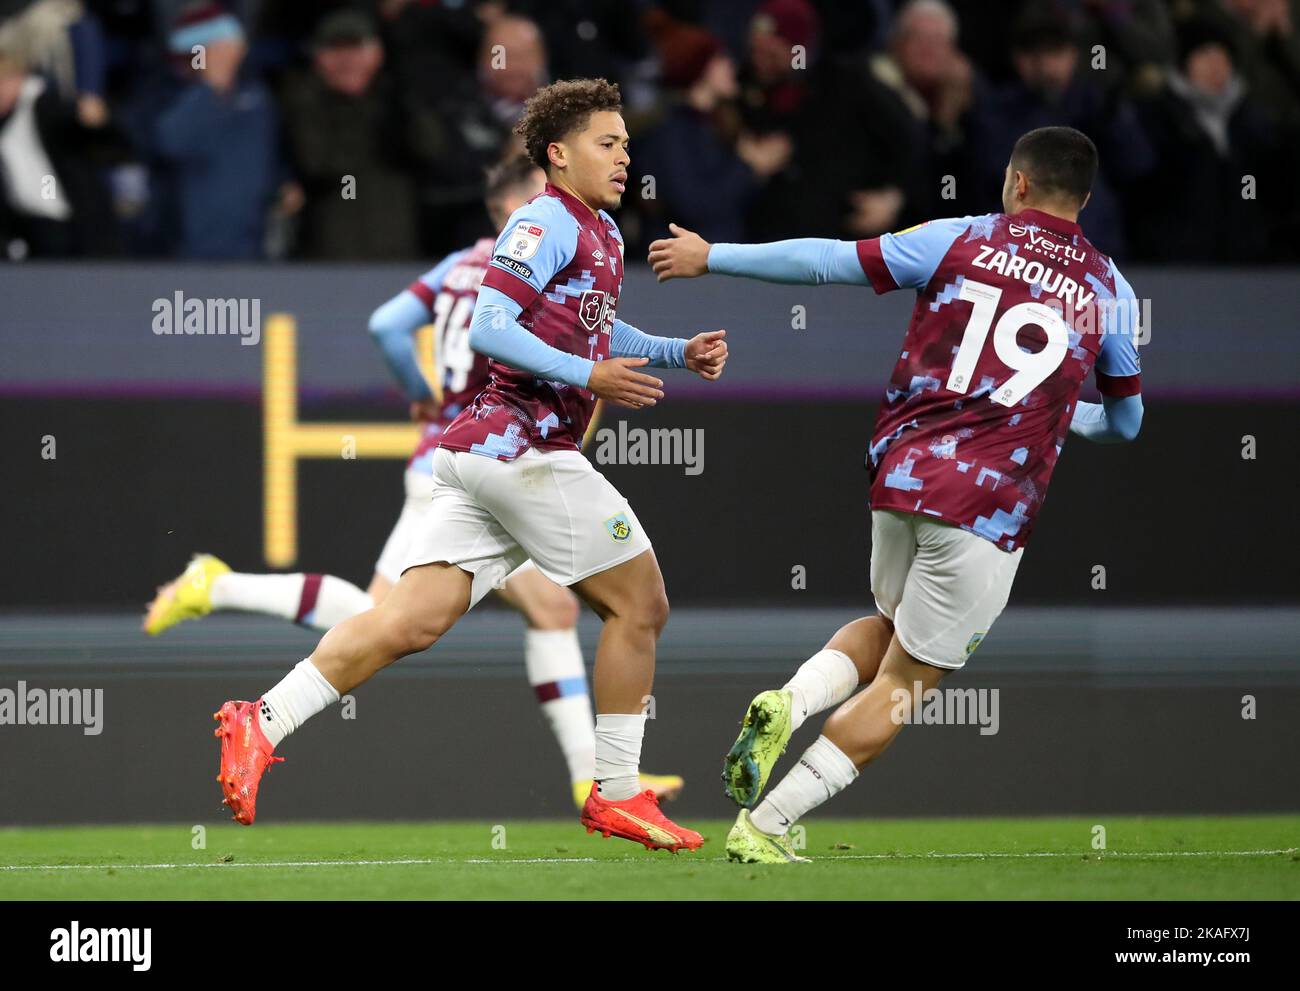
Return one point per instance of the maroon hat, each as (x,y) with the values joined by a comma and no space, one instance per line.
(686,55)
(684,49)
(796,21)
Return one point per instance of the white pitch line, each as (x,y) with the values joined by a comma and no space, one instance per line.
(1101,855)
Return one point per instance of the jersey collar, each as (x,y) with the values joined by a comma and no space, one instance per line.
(579,208)
(1047,221)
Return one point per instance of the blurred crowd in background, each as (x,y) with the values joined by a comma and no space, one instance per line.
(333,130)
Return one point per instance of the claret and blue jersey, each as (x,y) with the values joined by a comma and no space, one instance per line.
(541,300)
(1012,314)
(446,296)
(546,315)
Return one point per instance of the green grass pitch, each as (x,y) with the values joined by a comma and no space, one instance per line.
(1240,857)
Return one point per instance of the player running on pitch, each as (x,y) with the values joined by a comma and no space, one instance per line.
(1012,312)
(509,481)
(444,295)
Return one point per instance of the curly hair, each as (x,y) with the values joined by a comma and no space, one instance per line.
(562,108)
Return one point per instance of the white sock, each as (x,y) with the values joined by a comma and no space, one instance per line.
(301,694)
(553,659)
(318,601)
(822,773)
(618,754)
(824,680)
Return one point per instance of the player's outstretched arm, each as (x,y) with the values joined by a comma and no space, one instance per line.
(704,354)
(496,332)
(1114,420)
(809,261)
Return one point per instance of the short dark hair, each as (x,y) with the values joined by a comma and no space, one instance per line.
(1038,30)
(562,108)
(1060,161)
(505,176)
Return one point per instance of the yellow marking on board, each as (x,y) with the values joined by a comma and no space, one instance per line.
(426,357)
(286,441)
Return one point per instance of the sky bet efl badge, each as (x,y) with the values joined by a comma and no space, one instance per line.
(525,239)
(619,528)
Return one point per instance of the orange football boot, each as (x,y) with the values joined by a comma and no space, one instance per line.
(245,755)
(638,819)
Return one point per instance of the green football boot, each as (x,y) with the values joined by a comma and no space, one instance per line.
(747,844)
(763,737)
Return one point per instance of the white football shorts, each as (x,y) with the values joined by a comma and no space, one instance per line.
(419,500)
(942,586)
(489,517)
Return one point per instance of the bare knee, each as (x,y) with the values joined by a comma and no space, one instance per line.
(645,611)
(656,611)
(410,633)
(554,609)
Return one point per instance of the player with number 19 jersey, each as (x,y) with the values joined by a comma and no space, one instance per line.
(1011,315)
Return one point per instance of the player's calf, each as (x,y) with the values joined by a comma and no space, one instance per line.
(864,726)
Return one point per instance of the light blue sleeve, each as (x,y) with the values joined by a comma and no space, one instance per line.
(664,352)
(1120,324)
(394,324)
(538,240)
(434,278)
(810,261)
(912,255)
(1114,420)
(496,332)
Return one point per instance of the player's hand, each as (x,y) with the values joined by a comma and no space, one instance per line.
(615,381)
(706,354)
(425,410)
(685,255)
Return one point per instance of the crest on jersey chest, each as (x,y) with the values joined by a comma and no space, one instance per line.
(593,306)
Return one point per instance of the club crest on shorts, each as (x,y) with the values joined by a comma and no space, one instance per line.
(619,528)
(974,642)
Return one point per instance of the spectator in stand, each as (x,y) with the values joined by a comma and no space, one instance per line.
(511,66)
(345,118)
(1266,47)
(1049,90)
(219,137)
(934,87)
(52,203)
(705,173)
(592,38)
(473,114)
(1137,37)
(851,144)
(1210,134)
(60,41)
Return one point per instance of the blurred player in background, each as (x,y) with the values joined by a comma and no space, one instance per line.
(510,482)
(445,296)
(1013,310)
